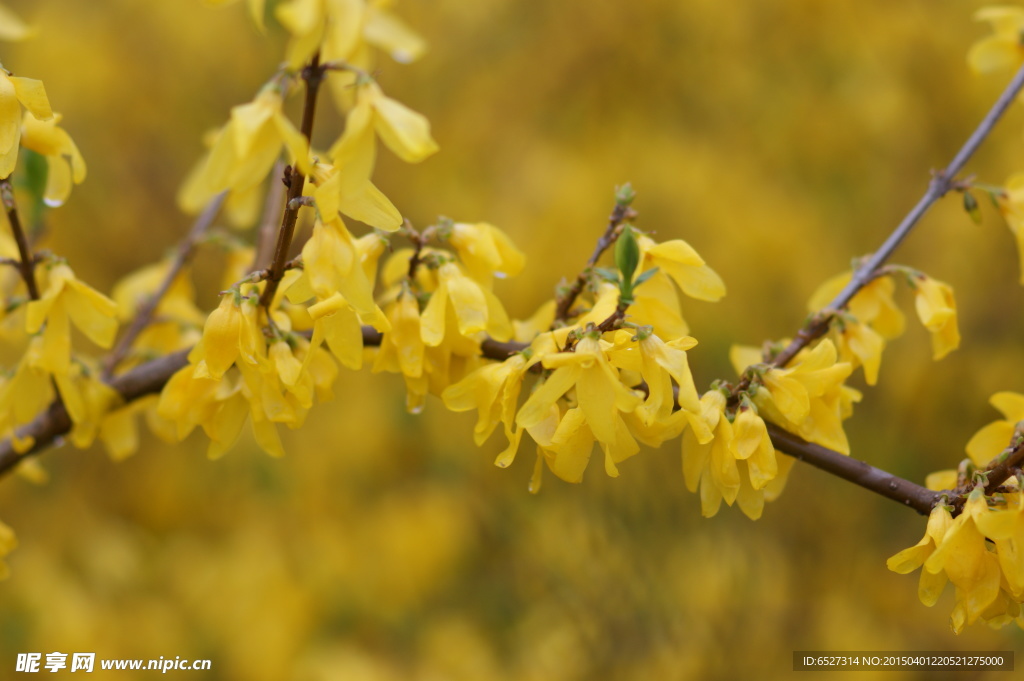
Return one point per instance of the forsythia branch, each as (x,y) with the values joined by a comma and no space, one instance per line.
(941,184)
(145,312)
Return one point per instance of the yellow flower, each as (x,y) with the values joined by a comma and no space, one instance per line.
(711,466)
(656,302)
(906,561)
(65,163)
(1004,526)
(936,309)
(493,390)
(256,9)
(339,325)
(680,261)
(26,394)
(231,332)
(991,440)
(15,93)
(245,150)
(332,264)
(11,27)
(1003,48)
(963,555)
(659,364)
(753,445)
(65,300)
(402,350)
(405,132)
(486,251)
(808,398)
(341,190)
(340,29)
(599,394)
(475,308)
(873,318)
(1011,205)
(88,400)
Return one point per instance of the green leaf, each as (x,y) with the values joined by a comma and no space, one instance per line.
(971,206)
(644,276)
(33,181)
(607,273)
(624,195)
(627,254)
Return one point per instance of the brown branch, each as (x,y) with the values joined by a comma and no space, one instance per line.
(145,312)
(620,214)
(294,180)
(919,498)
(271,219)
(1005,465)
(27,263)
(50,425)
(941,184)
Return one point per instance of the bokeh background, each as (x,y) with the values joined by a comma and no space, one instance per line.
(781,139)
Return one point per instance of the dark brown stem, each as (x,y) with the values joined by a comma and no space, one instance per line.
(941,184)
(919,498)
(145,312)
(294,180)
(1000,471)
(563,303)
(149,378)
(27,260)
(271,219)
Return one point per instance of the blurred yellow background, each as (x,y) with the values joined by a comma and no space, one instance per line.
(781,139)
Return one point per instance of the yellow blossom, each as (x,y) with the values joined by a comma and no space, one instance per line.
(256,9)
(936,309)
(1002,49)
(402,349)
(340,190)
(25,394)
(1004,526)
(1011,205)
(906,561)
(475,308)
(808,397)
(245,150)
(872,318)
(659,365)
(16,92)
(65,163)
(64,302)
(680,261)
(599,394)
(711,466)
(11,27)
(339,325)
(405,132)
(332,263)
(485,251)
(991,440)
(963,555)
(231,332)
(493,390)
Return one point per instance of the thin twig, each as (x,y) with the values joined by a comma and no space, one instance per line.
(563,303)
(313,74)
(26,266)
(941,184)
(271,219)
(146,310)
